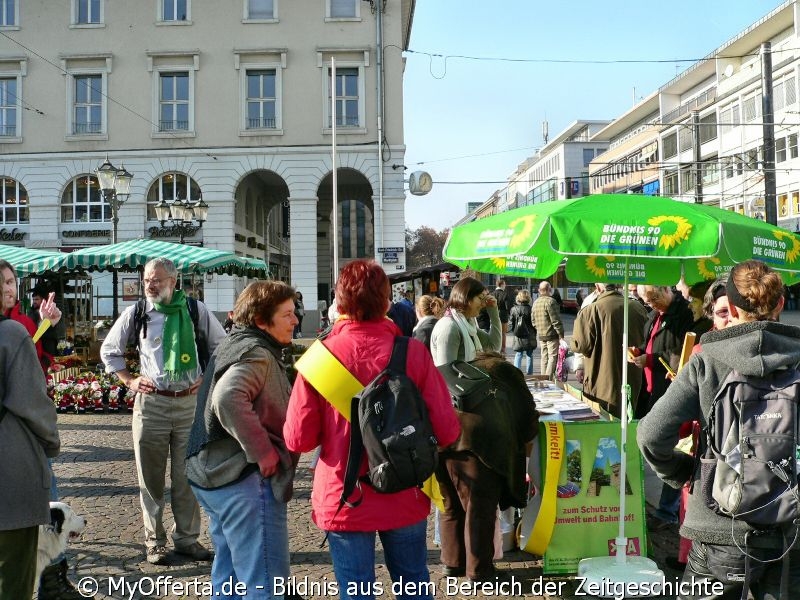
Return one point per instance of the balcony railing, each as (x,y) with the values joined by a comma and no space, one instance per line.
(173,125)
(8,130)
(261,123)
(699,102)
(84,128)
(345,121)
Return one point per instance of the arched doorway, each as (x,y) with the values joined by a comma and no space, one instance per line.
(261,221)
(356,224)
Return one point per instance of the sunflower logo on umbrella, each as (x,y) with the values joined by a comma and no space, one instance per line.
(682,230)
(524,233)
(794,252)
(500,263)
(594,268)
(705,271)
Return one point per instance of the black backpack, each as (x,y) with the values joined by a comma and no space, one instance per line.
(389,420)
(522,326)
(140,320)
(748,467)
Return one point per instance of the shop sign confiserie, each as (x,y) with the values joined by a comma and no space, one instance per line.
(78,233)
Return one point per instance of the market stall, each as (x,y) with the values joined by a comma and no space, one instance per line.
(623,238)
(66,273)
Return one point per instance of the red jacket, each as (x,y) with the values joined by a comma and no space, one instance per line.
(364,349)
(17,315)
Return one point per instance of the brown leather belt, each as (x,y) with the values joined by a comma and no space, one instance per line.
(172,394)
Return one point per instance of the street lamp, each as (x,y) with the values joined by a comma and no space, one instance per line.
(182,214)
(115,184)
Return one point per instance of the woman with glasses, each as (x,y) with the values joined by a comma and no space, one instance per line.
(237,461)
(715,309)
(457,335)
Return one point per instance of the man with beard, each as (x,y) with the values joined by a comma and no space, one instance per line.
(166,387)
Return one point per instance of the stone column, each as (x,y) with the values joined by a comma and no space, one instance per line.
(303,239)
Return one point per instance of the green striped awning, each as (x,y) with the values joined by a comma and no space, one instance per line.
(133,254)
(20,257)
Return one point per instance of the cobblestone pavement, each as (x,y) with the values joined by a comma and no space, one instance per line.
(97,477)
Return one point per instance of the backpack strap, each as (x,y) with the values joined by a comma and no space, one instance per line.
(397,362)
(199,334)
(140,320)
(3,409)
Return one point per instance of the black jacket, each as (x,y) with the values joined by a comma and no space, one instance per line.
(521,313)
(677,320)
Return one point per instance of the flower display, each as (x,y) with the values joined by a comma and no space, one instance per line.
(89,391)
(65,347)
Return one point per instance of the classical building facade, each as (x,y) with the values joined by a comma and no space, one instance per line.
(228,102)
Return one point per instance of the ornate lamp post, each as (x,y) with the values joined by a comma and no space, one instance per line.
(182,214)
(115,184)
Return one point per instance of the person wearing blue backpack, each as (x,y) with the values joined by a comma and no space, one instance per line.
(736,548)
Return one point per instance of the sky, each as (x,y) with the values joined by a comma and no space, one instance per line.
(470,121)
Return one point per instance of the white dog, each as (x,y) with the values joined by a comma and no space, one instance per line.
(64,526)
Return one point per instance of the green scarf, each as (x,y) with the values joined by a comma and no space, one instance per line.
(180,351)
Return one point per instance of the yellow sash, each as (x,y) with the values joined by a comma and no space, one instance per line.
(337,385)
(539,518)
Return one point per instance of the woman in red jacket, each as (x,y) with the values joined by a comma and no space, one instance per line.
(362,339)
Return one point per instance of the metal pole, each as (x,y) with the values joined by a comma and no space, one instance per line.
(770,206)
(698,183)
(334,183)
(379,74)
(114,275)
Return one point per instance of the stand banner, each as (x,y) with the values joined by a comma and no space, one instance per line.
(587,496)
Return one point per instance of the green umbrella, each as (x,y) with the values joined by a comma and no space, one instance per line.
(621,238)
(659,239)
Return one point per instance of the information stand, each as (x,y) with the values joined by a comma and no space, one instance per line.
(584,509)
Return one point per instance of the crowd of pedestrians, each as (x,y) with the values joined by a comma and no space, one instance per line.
(227,410)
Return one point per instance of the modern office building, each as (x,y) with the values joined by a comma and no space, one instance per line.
(702,135)
(558,170)
(226,102)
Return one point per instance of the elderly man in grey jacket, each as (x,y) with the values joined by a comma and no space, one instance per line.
(28,436)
